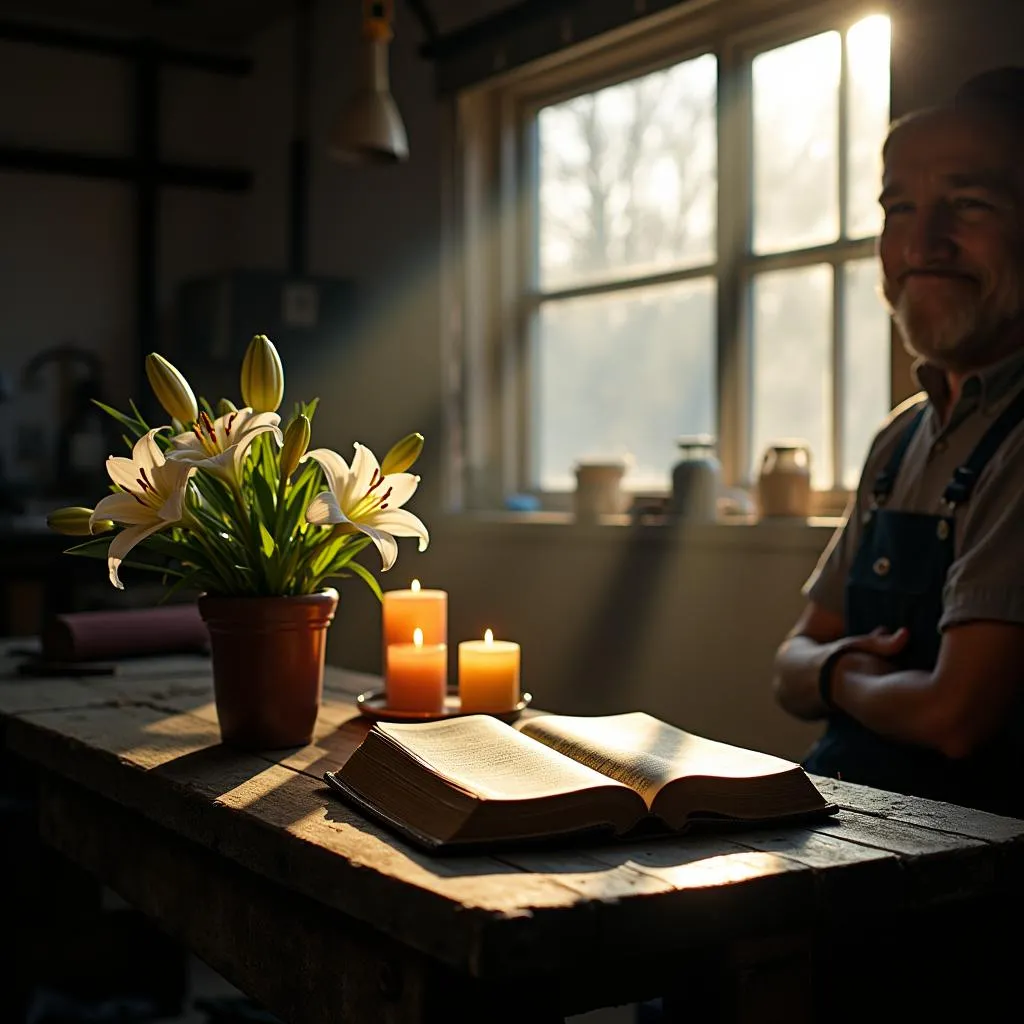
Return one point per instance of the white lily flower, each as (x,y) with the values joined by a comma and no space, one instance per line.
(152,497)
(219,446)
(367,499)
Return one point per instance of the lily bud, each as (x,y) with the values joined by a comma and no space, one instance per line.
(225,407)
(73,521)
(402,455)
(296,441)
(262,375)
(171,389)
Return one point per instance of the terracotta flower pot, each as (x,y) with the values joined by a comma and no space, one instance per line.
(268,665)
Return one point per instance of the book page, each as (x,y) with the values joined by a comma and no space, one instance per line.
(486,757)
(645,753)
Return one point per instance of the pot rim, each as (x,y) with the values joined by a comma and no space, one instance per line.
(323,594)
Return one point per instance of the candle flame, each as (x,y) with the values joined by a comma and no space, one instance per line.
(415,588)
(488,637)
(417,636)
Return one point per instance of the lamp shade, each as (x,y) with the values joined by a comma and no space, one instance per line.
(369,128)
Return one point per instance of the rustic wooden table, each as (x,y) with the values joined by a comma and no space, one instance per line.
(324,917)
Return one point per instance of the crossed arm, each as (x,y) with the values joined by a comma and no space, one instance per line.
(952,709)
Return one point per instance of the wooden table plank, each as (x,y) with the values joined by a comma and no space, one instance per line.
(930,814)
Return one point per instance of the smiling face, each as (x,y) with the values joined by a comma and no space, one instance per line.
(952,246)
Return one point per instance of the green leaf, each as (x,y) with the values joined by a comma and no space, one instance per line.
(364,574)
(96,548)
(264,497)
(136,427)
(163,570)
(138,416)
(299,497)
(193,578)
(267,545)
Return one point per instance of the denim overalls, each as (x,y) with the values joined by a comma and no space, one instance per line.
(896,579)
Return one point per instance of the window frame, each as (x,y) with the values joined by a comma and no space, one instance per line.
(491,292)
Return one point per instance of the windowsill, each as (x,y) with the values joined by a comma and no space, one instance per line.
(792,534)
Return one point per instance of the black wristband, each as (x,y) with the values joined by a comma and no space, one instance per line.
(825,678)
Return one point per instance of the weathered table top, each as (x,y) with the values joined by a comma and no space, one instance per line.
(296,897)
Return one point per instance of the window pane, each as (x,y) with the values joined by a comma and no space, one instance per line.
(628,177)
(796,144)
(866,365)
(792,372)
(867,54)
(624,373)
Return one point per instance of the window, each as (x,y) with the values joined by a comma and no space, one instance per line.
(679,248)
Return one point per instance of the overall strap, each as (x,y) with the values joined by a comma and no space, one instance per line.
(885,480)
(965,477)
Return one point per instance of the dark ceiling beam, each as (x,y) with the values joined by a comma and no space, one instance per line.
(528,31)
(121,168)
(494,27)
(132,49)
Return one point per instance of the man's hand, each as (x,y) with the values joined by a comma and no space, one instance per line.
(870,654)
(816,637)
(865,657)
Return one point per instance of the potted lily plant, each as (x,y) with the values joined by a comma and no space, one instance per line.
(225,502)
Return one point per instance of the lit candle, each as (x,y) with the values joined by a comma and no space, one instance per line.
(488,674)
(416,675)
(405,610)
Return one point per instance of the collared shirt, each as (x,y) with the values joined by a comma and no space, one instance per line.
(986,580)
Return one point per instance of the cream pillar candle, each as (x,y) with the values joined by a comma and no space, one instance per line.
(488,674)
(416,675)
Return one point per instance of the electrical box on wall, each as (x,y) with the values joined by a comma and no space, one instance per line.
(309,319)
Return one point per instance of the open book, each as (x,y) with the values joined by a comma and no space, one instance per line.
(475,781)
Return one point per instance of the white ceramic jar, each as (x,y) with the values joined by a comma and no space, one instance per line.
(599,490)
(784,483)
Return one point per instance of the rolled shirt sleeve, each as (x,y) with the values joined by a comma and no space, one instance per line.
(826,586)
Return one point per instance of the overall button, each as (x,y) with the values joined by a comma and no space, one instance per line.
(940,446)
(881,567)
(942,530)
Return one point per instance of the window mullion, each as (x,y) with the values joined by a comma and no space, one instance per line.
(516,236)
(625,284)
(735,191)
(838,291)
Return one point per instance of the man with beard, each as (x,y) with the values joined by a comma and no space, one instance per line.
(912,640)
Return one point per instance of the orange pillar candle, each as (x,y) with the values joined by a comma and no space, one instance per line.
(488,674)
(406,610)
(416,675)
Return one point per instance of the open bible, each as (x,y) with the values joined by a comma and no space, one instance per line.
(475,781)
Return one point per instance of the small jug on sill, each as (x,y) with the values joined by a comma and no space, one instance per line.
(784,483)
(695,480)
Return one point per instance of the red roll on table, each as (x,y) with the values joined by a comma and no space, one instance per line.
(134,632)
